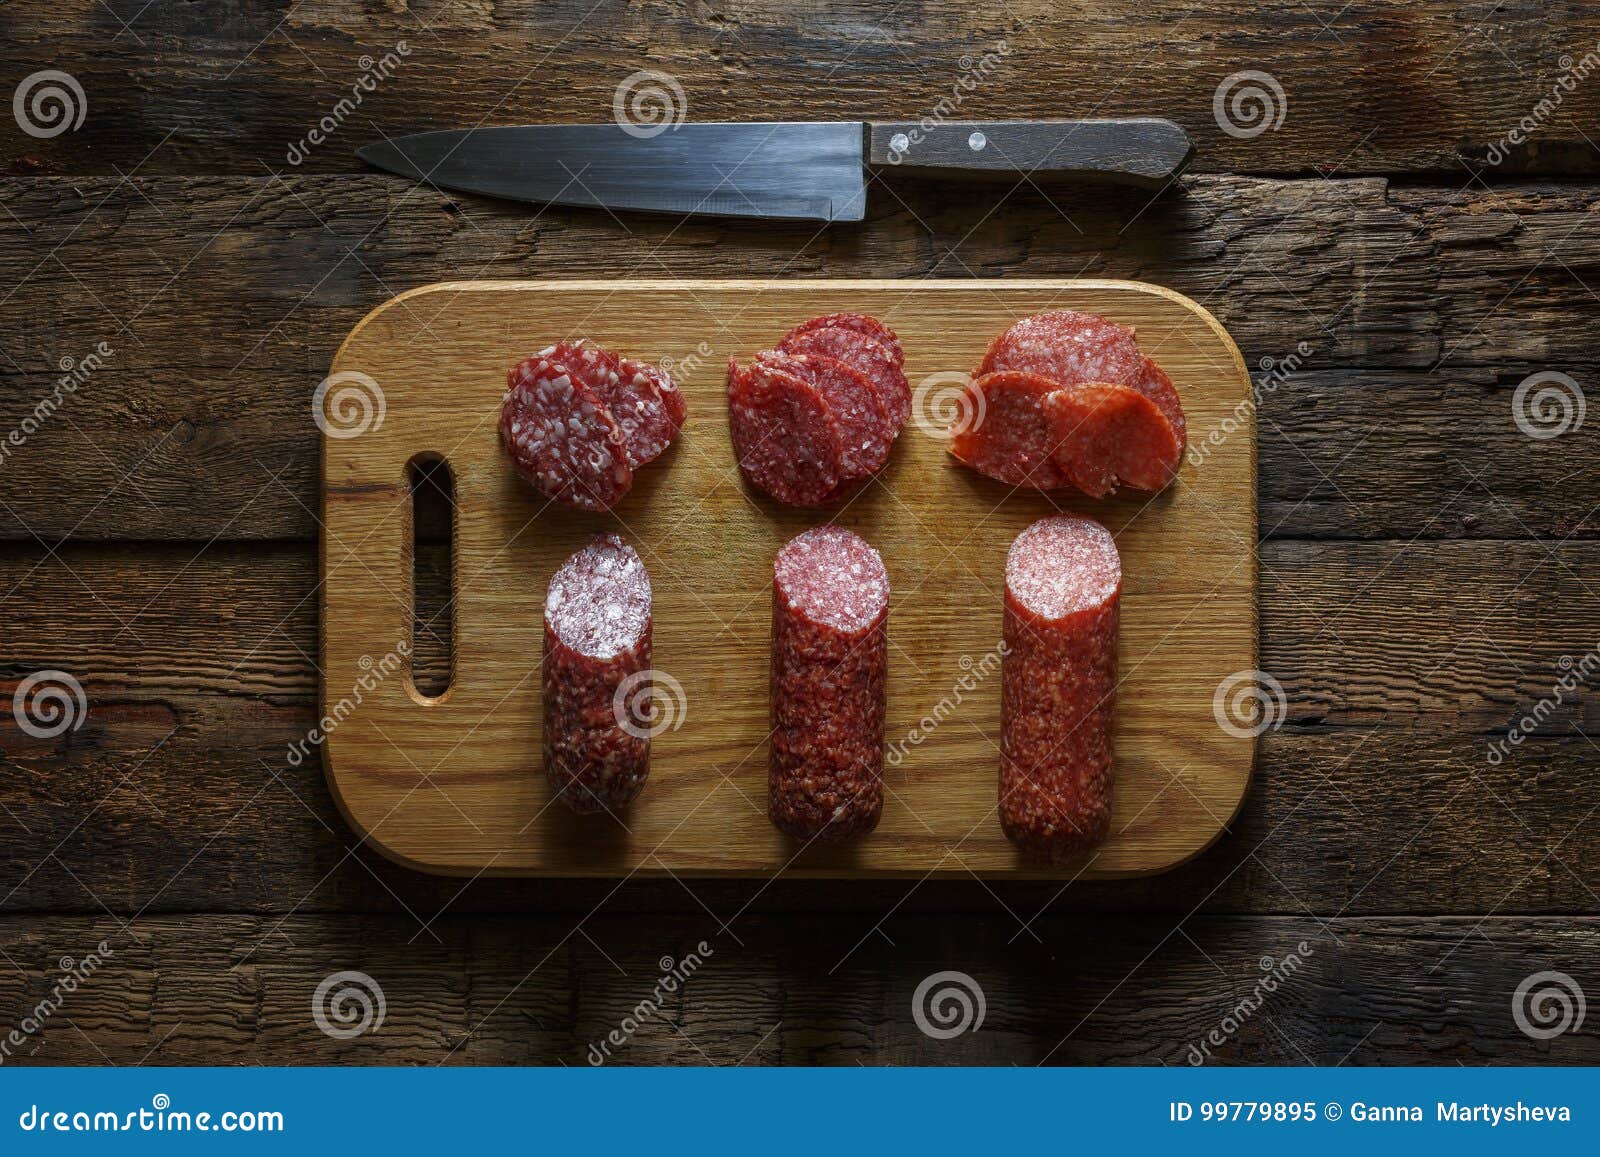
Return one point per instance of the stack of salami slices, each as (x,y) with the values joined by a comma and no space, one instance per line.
(579,420)
(1066,399)
(815,417)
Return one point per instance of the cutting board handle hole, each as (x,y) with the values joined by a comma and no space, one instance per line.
(433,605)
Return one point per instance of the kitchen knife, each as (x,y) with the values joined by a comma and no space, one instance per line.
(805,170)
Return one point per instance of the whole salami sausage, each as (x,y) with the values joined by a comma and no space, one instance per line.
(830,653)
(1058,688)
(596,657)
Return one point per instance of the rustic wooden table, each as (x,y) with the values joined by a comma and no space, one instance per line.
(1428,567)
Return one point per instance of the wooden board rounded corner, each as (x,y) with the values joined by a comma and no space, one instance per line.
(443,351)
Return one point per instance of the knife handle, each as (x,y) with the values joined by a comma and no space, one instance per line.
(1145,151)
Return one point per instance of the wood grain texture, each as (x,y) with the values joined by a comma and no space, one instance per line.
(796,989)
(1376,86)
(454,784)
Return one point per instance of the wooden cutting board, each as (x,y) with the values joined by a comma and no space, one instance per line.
(454,785)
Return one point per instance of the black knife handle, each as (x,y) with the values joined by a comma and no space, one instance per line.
(1144,151)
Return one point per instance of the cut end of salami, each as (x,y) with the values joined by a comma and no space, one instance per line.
(833,578)
(1058,688)
(786,438)
(1062,565)
(830,609)
(577,421)
(598,603)
(597,659)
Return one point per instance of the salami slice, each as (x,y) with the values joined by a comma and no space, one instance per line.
(1102,435)
(860,323)
(639,406)
(863,426)
(786,438)
(865,353)
(1077,348)
(1008,434)
(671,396)
(1058,687)
(596,664)
(830,657)
(559,432)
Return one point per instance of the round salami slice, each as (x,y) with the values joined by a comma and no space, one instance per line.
(1077,348)
(863,426)
(561,435)
(830,658)
(784,434)
(1058,687)
(865,353)
(597,619)
(1104,435)
(671,396)
(640,408)
(860,323)
(1007,433)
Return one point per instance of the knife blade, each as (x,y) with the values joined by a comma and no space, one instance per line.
(798,170)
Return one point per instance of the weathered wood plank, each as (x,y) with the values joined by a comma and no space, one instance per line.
(1400,667)
(1380,85)
(794,989)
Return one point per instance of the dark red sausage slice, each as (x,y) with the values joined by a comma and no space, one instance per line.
(671,396)
(1058,688)
(1103,435)
(1077,348)
(596,663)
(786,438)
(863,426)
(1006,433)
(860,323)
(867,354)
(638,402)
(830,655)
(559,432)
